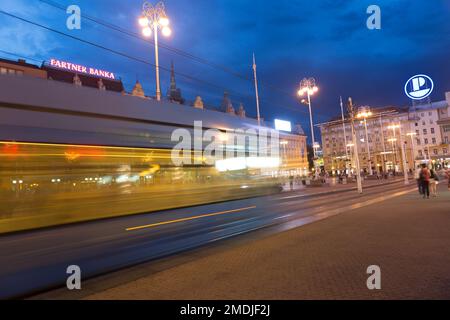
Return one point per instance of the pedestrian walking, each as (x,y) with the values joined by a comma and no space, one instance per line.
(291,182)
(434,181)
(425,179)
(417,177)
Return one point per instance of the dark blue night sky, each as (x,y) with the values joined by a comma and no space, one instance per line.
(292,39)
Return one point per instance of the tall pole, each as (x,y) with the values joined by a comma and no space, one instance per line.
(355,145)
(312,134)
(413,150)
(368,147)
(345,134)
(153,18)
(309,86)
(256,90)
(312,125)
(402,144)
(384,145)
(394,147)
(158,89)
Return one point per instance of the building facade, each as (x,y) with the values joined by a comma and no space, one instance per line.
(294,153)
(428,125)
(21,68)
(419,130)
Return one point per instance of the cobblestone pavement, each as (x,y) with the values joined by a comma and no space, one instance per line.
(408,237)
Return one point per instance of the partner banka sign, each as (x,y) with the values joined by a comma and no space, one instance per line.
(419,87)
(72,67)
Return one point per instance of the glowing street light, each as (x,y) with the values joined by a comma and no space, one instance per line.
(365,113)
(309,87)
(152,19)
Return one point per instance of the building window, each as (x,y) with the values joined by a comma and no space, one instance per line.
(417,132)
(433,140)
(432,130)
(417,124)
(425,141)
(444,150)
(435,151)
(424,131)
(423,123)
(11,71)
(418,142)
(445,139)
(420,153)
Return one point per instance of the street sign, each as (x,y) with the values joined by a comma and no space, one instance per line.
(419,87)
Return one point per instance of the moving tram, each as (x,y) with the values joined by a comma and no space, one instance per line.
(75,154)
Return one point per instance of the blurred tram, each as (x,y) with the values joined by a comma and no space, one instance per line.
(70,154)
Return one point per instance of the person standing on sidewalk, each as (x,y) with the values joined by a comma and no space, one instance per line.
(417,177)
(434,180)
(425,179)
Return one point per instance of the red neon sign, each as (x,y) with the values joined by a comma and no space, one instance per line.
(81,69)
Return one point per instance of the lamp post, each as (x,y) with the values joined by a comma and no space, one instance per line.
(364,113)
(383,142)
(405,165)
(152,19)
(309,87)
(350,146)
(345,133)
(355,145)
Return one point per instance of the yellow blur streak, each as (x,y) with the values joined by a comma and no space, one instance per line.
(73,145)
(190,218)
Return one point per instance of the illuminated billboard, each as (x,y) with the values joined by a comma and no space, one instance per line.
(282,125)
(419,87)
(81,69)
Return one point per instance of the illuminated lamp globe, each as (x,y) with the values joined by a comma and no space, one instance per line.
(166,31)
(164,21)
(147,32)
(143,21)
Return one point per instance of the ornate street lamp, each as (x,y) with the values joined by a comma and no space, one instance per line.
(152,19)
(365,113)
(309,87)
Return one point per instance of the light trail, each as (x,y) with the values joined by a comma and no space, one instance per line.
(188,219)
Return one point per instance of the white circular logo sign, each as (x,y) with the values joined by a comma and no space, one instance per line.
(419,87)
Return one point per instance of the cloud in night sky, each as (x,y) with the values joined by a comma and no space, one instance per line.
(326,39)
